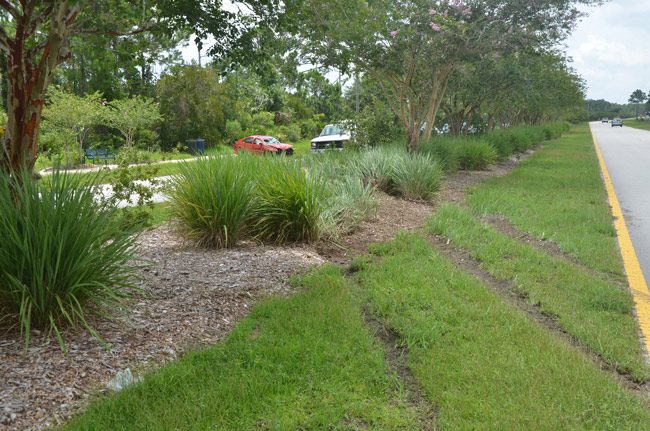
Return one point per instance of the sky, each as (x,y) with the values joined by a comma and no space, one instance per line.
(611,49)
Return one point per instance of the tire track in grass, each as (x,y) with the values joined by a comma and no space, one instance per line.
(508,291)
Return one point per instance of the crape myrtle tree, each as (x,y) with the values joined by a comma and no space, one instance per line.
(35,39)
(411,47)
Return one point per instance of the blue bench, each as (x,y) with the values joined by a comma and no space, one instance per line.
(98,154)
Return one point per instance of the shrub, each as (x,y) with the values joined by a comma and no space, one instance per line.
(64,256)
(212,199)
(233,130)
(262,121)
(416,176)
(289,133)
(289,203)
(476,155)
(309,128)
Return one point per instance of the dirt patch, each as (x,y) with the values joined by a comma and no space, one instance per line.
(191,298)
(509,293)
(393,214)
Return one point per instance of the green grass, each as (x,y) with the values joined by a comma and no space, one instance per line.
(598,314)
(484,364)
(303,363)
(638,124)
(160,213)
(558,194)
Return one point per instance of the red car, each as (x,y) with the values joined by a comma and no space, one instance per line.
(260,144)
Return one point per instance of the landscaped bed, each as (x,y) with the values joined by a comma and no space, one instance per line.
(192,297)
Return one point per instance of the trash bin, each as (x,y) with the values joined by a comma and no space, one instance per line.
(196,146)
(200,146)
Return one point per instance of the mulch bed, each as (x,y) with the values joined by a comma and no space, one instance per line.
(190,298)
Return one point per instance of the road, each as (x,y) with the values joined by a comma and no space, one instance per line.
(626,152)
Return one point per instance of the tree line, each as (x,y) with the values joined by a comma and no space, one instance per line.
(405,68)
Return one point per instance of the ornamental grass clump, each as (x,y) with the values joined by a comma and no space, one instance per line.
(416,176)
(64,256)
(376,166)
(349,202)
(288,204)
(213,199)
(443,149)
(476,154)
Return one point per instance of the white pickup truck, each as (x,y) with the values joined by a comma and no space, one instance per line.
(333,137)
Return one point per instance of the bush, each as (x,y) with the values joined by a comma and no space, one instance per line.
(262,121)
(417,176)
(234,130)
(289,133)
(212,199)
(64,256)
(476,155)
(309,128)
(288,203)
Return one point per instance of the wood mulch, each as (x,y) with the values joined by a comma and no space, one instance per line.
(190,298)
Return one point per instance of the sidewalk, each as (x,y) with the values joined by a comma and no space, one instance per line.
(97,168)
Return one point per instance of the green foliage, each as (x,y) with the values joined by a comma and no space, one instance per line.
(133,186)
(68,119)
(309,128)
(417,177)
(213,199)
(289,133)
(192,101)
(444,149)
(475,155)
(482,362)
(129,116)
(64,256)
(375,125)
(234,130)
(304,362)
(289,203)
(262,121)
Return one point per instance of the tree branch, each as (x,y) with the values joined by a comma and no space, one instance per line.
(4,4)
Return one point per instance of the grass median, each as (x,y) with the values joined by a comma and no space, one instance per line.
(558,194)
(597,313)
(483,363)
(638,124)
(306,362)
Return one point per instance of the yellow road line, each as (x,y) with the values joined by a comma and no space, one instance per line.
(635,278)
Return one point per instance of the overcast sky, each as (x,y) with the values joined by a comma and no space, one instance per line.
(611,49)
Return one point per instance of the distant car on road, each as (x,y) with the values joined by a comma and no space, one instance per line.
(262,144)
(333,137)
(617,122)
(605,120)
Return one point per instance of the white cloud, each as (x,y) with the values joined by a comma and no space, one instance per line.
(611,49)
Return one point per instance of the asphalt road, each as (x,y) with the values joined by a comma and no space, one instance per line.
(627,155)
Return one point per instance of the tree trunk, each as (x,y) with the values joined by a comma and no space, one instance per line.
(28,76)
